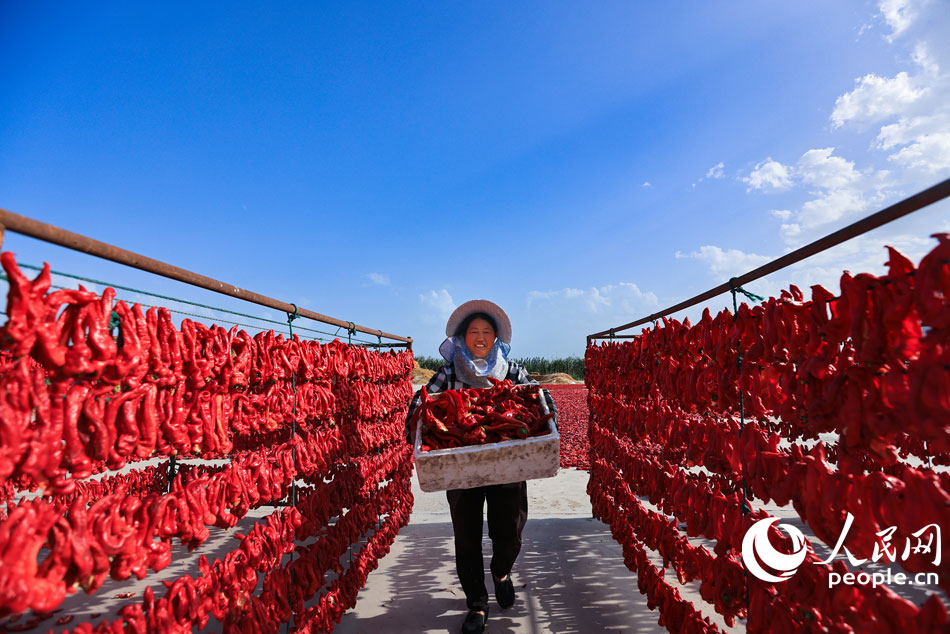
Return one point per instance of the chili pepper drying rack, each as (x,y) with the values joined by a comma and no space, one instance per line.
(682,388)
(48,233)
(24,225)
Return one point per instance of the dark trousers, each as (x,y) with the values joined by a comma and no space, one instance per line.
(507,514)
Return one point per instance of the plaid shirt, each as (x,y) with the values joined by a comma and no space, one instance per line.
(446,379)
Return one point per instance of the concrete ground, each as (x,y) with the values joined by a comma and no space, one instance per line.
(570,576)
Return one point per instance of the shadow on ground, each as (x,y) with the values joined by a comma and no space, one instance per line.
(569,579)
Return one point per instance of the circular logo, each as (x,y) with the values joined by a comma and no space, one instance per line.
(756,547)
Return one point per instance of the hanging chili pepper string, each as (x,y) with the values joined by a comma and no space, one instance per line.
(293,452)
(735,308)
(350,330)
(745,505)
(379,390)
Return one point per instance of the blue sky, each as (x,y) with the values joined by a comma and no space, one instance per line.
(581,165)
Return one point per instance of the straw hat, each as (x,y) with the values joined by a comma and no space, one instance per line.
(480,306)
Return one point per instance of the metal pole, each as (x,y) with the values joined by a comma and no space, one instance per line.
(908,205)
(49,233)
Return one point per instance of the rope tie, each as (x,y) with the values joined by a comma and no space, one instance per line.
(738,289)
(115,321)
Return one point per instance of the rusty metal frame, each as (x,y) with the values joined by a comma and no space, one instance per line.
(909,205)
(16,223)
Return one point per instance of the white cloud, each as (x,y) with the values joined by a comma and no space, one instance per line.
(769,174)
(820,169)
(899,14)
(913,108)
(925,140)
(378,278)
(909,129)
(831,206)
(781,214)
(625,297)
(437,305)
(924,59)
(646,184)
(876,98)
(837,187)
(716,171)
(726,263)
(929,152)
(790,231)
(562,318)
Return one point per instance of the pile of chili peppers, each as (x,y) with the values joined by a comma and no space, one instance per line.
(80,396)
(466,417)
(871,365)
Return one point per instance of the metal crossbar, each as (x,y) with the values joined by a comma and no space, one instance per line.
(10,221)
(909,205)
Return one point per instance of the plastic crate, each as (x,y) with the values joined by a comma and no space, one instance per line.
(493,463)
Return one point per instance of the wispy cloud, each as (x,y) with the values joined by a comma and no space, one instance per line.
(378,279)
(724,263)
(716,171)
(436,305)
(562,318)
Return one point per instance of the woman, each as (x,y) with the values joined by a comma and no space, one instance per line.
(479,334)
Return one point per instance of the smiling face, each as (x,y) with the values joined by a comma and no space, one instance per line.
(479,337)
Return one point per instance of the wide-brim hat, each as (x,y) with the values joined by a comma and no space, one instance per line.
(480,306)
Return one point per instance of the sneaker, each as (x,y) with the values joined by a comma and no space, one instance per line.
(474,622)
(504,592)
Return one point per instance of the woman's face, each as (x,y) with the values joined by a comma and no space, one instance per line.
(479,337)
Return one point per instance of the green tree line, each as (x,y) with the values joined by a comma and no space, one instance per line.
(568,365)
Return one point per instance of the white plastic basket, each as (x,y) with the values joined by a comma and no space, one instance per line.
(493,463)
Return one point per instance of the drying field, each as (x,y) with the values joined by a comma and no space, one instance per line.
(571,401)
